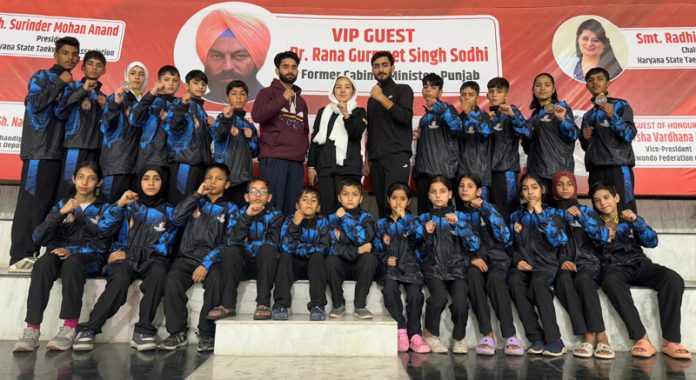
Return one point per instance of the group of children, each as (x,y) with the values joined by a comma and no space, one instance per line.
(199,217)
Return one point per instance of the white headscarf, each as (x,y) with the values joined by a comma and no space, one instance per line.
(339,135)
(128,69)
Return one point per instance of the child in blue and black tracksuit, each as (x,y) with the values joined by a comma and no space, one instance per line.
(189,138)
(624,264)
(209,220)
(81,108)
(351,257)
(119,148)
(149,115)
(509,125)
(551,143)
(236,141)
(475,142)
(538,235)
(396,240)
(306,239)
(607,133)
(253,250)
(489,268)
(76,240)
(447,240)
(576,286)
(141,251)
(41,149)
(437,151)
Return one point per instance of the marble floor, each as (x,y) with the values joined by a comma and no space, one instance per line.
(119,361)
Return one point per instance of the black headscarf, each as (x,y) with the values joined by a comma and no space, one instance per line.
(151,200)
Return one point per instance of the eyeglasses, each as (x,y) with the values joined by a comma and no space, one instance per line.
(258,192)
(588,39)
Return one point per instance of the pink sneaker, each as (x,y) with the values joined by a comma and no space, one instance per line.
(418,345)
(402,337)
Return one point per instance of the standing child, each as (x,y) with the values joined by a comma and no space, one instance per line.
(41,149)
(351,257)
(395,245)
(624,264)
(538,236)
(306,241)
(508,127)
(120,143)
(209,221)
(576,285)
(236,141)
(76,246)
(475,143)
(489,268)
(437,151)
(189,138)
(81,107)
(254,250)
(607,132)
(448,238)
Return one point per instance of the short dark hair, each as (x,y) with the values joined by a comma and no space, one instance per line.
(94,54)
(71,41)
(262,180)
(399,186)
(196,74)
(307,190)
(439,178)
(600,185)
(168,69)
(475,178)
(597,70)
(499,83)
(93,165)
(221,166)
(434,80)
(236,84)
(350,182)
(380,54)
(470,84)
(286,54)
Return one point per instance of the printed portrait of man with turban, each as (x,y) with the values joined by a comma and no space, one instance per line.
(232,46)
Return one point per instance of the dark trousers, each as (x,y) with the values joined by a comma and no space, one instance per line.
(71,158)
(328,189)
(177,283)
(115,185)
(361,270)
(184,179)
(414,304)
(291,268)
(73,272)
(617,281)
(237,266)
(436,303)
(483,286)
(621,177)
(236,194)
(530,289)
(504,194)
(577,292)
(36,194)
(286,179)
(385,172)
(116,292)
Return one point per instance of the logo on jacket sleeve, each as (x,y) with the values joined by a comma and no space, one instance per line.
(234,131)
(386,239)
(221,218)
(196,123)
(518,228)
(197,213)
(86,105)
(337,233)
(70,218)
(94,220)
(160,227)
(163,115)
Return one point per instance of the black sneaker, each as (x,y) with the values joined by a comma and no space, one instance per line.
(84,340)
(143,342)
(174,341)
(206,343)
(317,314)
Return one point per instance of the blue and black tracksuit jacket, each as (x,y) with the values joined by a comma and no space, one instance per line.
(82,114)
(626,247)
(310,237)
(494,235)
(507,132)
(475,145)
(437,151)
(400,239)
(610,144)
(189,136)
(119,147)
(586,237)
(552,143)
(253,232)
(232,148)
(148,115)
(538,238)
(348,233)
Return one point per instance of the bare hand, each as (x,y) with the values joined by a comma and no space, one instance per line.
(69,206)
(248,133)
(289,94)
(560,112)
(524,266)
(204,189)
(312,176)
(507,109)
(343,107)
(429,103)
(156,88)
(574,211)
(376,92)
(608,108)
(569,266)
(340,212)
(298,217)
(451,218)
(467,107)
(430,227)
(365,248)
(491,114)
(90,84)
(391,261)
(228,111)
(210,120)
(62,253)
(254,209)
(480,264)
(537,207)
(101,99)
(199,274)
(587,132)
(118,95)
(127,198)
(116,256)
(629,215)
(186,98)
(66,76)
(476,203)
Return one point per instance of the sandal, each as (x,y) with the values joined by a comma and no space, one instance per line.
(486,346)
(220,312)
(604,351)
(643,349)
(676,351)
(262,313)
(583,350)
(513,346)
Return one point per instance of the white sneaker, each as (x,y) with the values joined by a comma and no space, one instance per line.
(459,347)
(435,344)
(24,265)
(28,341)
